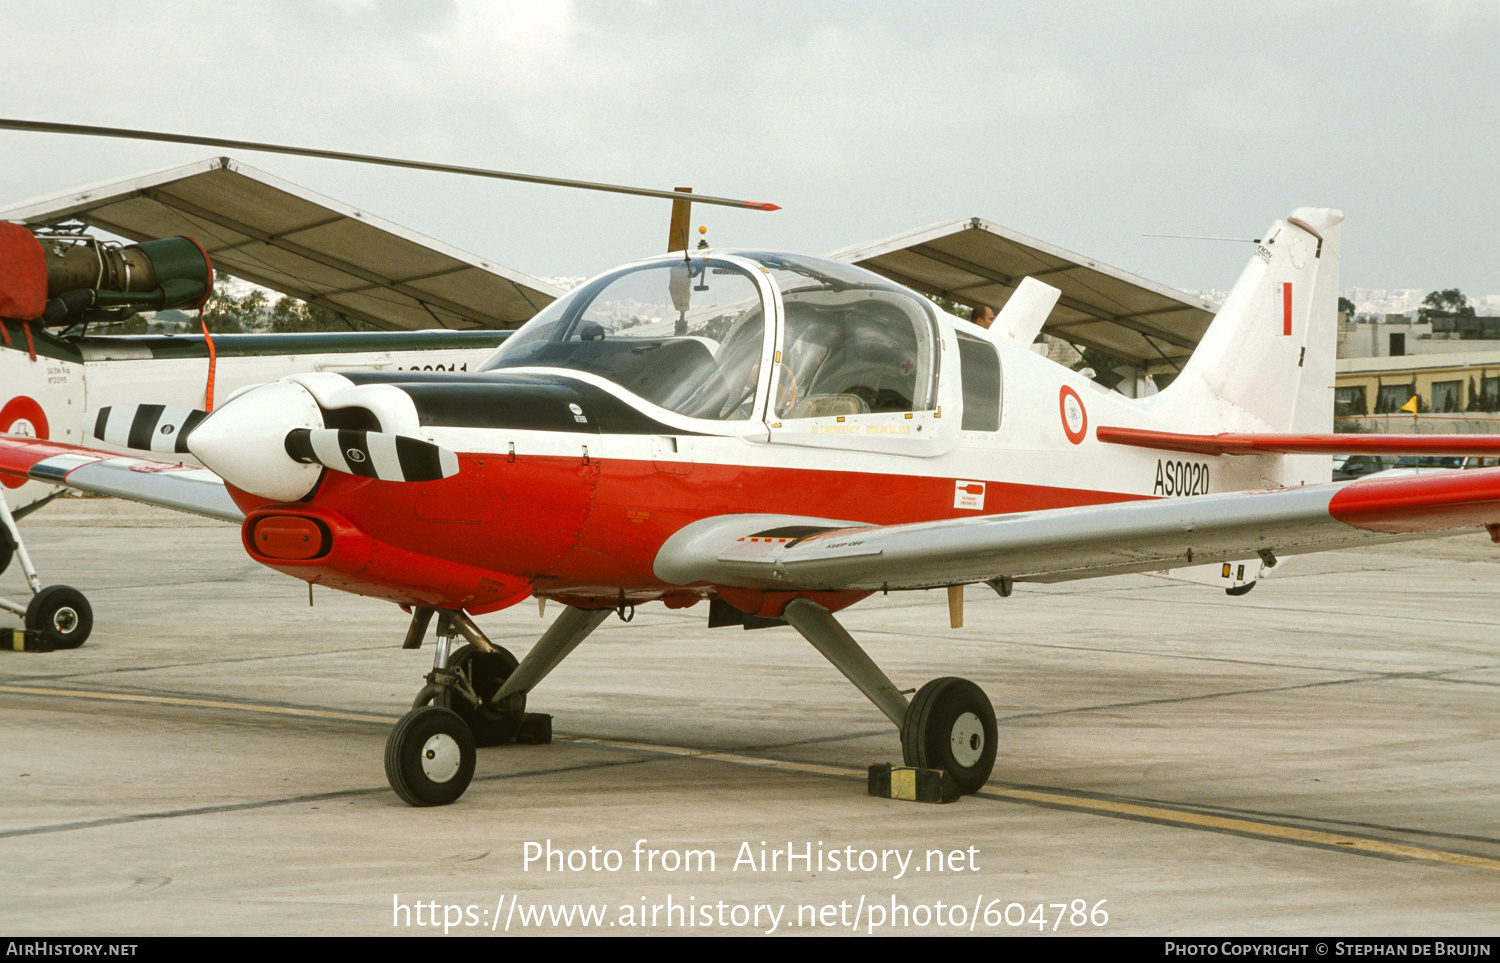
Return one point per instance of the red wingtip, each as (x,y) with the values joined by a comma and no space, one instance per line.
(762,206)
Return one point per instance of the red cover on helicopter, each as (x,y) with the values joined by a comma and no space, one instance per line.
(23,273)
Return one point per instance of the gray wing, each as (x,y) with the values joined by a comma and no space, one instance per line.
(798,553)
(165,484)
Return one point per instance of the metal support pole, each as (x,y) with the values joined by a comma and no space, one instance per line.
(466,627)
(421,618)
(441,681)
(15,534)
(571,628)
(819,627)
(445,634)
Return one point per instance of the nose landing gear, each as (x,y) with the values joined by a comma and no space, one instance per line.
(475,696)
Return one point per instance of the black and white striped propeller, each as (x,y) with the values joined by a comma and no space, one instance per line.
(372,454)
(167,429)
(158,428)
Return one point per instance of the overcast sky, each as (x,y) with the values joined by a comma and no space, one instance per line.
(1083,124)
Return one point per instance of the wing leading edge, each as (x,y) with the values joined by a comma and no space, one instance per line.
(166,484)
(772,553)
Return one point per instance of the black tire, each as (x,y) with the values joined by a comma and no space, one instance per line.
(7,548)
(62,615)
(429,757)
(951,725)
(487,672)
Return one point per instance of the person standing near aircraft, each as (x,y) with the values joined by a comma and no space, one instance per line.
(983,315)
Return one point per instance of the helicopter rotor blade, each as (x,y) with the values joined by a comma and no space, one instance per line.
(49,128)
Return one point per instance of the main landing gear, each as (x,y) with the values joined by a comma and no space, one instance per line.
(59,614)
(948,725)
(475,696)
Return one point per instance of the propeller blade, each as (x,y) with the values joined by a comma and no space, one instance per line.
(372,454)
(156,428)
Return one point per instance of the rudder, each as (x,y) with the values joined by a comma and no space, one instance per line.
(1266,363)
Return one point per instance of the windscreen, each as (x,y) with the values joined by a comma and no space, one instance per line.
(683,334)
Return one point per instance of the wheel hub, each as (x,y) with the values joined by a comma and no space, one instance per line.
(65,620)
(440,758)
(967,739)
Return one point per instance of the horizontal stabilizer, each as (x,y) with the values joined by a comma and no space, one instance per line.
(1339,444)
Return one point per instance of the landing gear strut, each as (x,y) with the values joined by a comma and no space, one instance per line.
(59,614)
(466,679)
(475,696)
(949,725)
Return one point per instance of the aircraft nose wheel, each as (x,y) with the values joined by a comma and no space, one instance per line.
(951,725)
(429,757)
(62,615)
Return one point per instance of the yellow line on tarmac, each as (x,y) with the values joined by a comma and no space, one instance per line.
(1246,827)
(199,703)
(1249,827)
(1103,806)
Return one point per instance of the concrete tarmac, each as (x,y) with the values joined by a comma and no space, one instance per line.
(1316,758)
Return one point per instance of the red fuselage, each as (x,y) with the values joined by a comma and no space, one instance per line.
(566,528)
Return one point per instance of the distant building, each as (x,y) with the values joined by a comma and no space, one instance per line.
(1398,336)
(1462,385)
(1451,365)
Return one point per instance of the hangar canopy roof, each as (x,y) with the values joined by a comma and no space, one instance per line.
(287,238)
(974,262)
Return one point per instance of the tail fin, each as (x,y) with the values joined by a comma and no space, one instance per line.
(1266,363)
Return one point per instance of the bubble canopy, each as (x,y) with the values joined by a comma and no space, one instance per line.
(689,335)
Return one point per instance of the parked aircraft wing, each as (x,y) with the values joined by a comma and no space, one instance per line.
(790,553)
(974,261)
(166,484)
(275,233)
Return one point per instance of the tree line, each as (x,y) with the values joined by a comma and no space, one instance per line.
(252,313)
(1448,303)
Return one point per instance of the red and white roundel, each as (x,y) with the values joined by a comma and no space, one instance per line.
(1075,420)
(22,416)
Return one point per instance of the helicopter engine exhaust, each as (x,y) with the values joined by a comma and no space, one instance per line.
(63,278)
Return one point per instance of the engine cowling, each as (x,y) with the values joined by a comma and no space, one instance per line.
(244,442)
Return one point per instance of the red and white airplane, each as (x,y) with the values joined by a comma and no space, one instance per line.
(780,436)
